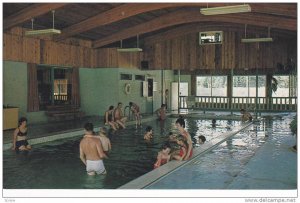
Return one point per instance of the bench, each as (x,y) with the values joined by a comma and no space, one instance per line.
(63,112)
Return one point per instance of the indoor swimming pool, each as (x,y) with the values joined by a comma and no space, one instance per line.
(56,165)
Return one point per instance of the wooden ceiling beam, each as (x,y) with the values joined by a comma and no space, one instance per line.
(213,26)
(282,9)
(190,16)
(29,13)
(116,14)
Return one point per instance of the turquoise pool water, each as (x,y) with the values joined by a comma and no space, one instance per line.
(56,165)
(256,158)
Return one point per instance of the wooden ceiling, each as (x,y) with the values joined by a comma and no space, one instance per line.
(105,24)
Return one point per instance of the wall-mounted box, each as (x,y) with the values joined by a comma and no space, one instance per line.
(10,118)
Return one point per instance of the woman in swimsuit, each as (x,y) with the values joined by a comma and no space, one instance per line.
(20,136)
(109,118)
(180,124)
(179,155)
(163,156)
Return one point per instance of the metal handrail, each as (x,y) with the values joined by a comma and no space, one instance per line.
(236,103)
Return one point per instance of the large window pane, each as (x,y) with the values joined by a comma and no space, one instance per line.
(203,86)
(282,87)
(245,86)
(261,86)
(219,86)
(240,86)
(54,86)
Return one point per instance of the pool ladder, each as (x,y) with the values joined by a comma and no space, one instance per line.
(128,112)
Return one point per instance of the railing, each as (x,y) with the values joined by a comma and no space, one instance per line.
(237,103)
(60,97)
(128,117)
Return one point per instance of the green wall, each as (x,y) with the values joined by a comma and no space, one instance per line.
(99,88)
(15,90)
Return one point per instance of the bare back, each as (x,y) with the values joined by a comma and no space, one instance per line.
(91,148)
(105,143)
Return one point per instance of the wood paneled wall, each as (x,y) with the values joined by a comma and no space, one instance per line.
(32,50)
(70,52)
(185,53)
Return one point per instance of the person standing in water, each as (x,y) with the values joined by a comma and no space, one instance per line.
(91,152)
(136,111)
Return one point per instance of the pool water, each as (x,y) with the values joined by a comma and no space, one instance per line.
(232,165)
(56,165)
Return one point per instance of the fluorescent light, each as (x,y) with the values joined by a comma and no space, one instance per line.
(226,9)
(129,49)
(43,32)
(249,40)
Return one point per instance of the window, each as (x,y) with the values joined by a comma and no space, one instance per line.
(54,86)
(140,77)
(212,86)
(245,86)
(126,76)
(282,86)
(213,37)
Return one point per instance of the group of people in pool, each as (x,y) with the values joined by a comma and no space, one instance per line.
(115,118)
(94,148)
(178,146)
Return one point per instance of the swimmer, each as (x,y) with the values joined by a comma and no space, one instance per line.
(91,152)
(149,133)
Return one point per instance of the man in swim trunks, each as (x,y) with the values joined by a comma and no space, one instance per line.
(118,114)
(91,152)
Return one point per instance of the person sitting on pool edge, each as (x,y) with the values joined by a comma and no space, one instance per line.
(118,116)
(246,116)
(20,142)
(91,152)
(109,118)
(149,133)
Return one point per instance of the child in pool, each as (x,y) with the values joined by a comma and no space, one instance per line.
(149,133)
(181,153)
(201,139)
(163,156)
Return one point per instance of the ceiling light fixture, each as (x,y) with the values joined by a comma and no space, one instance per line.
(133,49)
(226,9)
(50,31)
(261,39)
